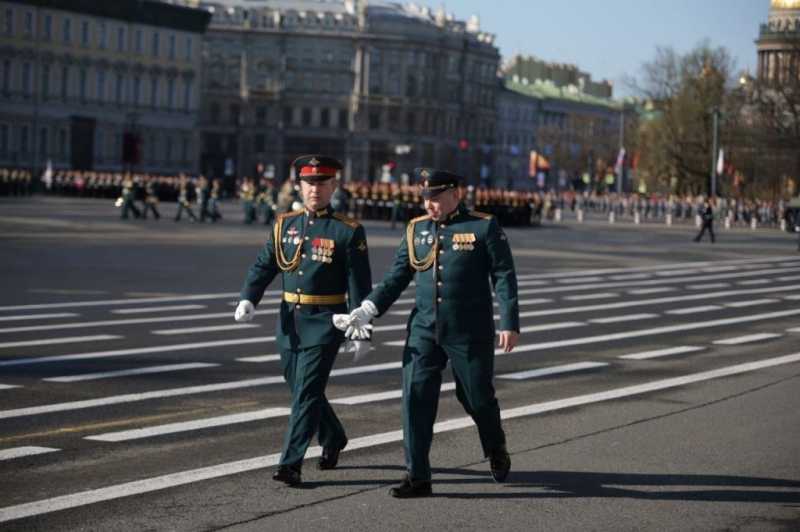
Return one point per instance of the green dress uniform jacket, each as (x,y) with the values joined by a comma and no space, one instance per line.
(467,255)
(320,255)
(455,263)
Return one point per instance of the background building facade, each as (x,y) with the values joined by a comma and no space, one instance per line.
(373,83)
(99,85)
(779,43)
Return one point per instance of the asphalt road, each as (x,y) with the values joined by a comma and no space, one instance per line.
(654,387)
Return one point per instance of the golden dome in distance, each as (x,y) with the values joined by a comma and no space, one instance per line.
(785,4)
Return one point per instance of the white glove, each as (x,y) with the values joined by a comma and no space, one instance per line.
(363,314)
(341,321)
(358,332)
(245,311)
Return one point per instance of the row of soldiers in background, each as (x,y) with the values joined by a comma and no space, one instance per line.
(201,192)
(14,182)
(656,207)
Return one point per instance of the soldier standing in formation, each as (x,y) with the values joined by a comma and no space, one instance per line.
(213,204)
(247,192)
(126,198)
(322,259)
(150,199)
(708,222)
(267,200)
(451,253)
(185,196)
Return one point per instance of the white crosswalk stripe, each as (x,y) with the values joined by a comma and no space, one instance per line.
(51,316)
(19,452)
(148,310)
(658,353)
(129,372)
(748,339)
(215,328)
(62,340)
(553,370)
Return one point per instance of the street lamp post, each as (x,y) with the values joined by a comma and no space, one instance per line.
(712,189)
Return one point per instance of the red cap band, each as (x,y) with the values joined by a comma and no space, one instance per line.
(317,170)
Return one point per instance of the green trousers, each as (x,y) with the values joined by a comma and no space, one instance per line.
(306,372)
(473,370)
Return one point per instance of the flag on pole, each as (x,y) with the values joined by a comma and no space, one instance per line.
(620,161)
(721,162)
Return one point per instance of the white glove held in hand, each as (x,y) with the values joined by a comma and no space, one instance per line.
(244,311)
(341,321)
(363,314)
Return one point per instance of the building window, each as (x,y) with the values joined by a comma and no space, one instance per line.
(156,43)
(138,41)
(26,79)
(62,142)
(82,85)
(42,143)
(3,139)
(261,115)
(85,33)
(119,93)
(45,81)
(187,95)
(375,120)
(101,85)
(23,139)
(6,75)
(121,39)
(9,21)
(188,48)
(325,118)
(411,122)
(235,112)
(172,47)
(306,117)
(64,83)
(288,116)
(343,119)
(185,149)
(66,29)
(28,23)
(137,91)
(215,110)
(154,92)
(171,93)
(168,149)
(47,28)
(101,38)
(260,143)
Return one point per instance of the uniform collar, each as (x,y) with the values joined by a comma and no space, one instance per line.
(320,213)
(460,209)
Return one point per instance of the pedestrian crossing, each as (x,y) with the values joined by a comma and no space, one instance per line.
(591,325)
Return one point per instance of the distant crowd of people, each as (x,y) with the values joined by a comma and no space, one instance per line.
(139,194)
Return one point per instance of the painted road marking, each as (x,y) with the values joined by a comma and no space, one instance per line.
(693,310)
(680,350)
(553,370)
(19,452)
(39,316)
(751,303)
(624,318)
(128,372)
(599,295)
(215,328)
(148,310)
(181,478)
(63,340)
(747,339)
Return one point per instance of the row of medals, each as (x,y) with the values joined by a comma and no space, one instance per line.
(464,242)
(322,255)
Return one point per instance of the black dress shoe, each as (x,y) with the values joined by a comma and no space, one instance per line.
(288,474)
(410,488)
(329,458)
(499,463)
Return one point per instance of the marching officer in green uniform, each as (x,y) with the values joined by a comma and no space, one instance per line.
(322,259)
(456,257)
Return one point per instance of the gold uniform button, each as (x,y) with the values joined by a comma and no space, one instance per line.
(439,283)
(441,237)
(300,272)
(306,238)
(439,299)
(303,255)
(299,290)
(311,222)
(441,251)
(297,306)
(441,268)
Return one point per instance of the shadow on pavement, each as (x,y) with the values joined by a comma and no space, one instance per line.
(565,484)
